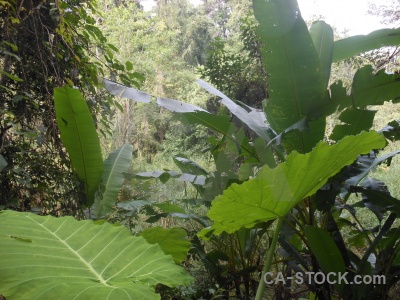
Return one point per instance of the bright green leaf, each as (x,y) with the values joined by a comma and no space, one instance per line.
(11,76)
(79,137)
(69,259)
(273,192)
(128,65)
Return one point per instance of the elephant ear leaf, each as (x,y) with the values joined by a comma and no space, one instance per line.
(274,192)
(62,258)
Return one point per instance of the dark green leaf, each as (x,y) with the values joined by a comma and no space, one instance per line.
(291,58)
(357,120)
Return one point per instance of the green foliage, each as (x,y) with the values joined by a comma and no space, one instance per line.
(274,192)
(291,57)
(114,166)
(348,47)
(79,137)
(51,257)
(317,181)
(83,146)
(325,250)
(172,241)
(45,45)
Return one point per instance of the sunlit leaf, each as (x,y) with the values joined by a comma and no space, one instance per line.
(275,191)
(178,106)
(69,259)
(253,119)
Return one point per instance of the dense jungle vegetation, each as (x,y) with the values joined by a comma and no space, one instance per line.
(196,152)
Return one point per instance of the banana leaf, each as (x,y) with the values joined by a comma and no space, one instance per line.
(79,136)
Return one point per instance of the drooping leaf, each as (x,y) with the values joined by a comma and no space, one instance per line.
(275,191)
(69,259)
(357,120)
(322,36)
(291,58)
(122,91)
(79,137)
(253,119)
(189,166)
(351,46)
(172,241)
(366,165)
(164,176)
(195,179)
(377,207)
(178,106)
(264,153)
(115,165)
(170,207)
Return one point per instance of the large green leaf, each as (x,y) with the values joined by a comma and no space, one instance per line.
(61,258)
(115,165)
(322,36)
(353,45)
(296,84)
(172,241)
(273,192)
(79,137)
